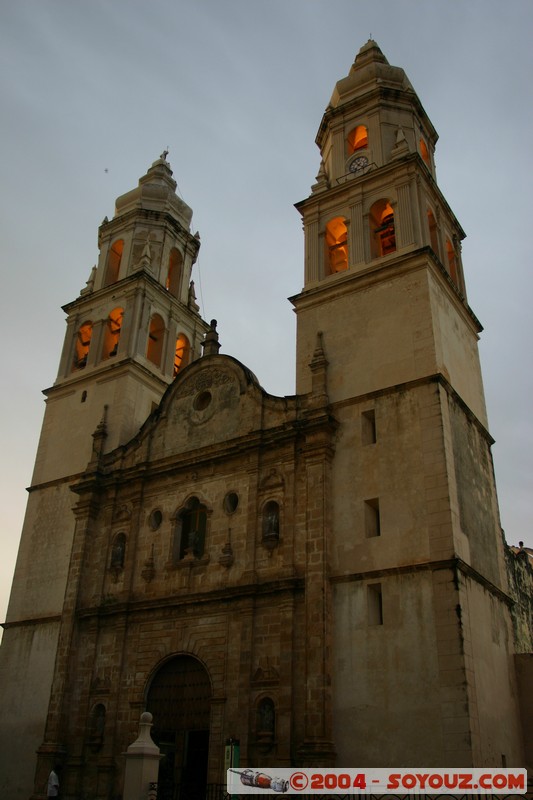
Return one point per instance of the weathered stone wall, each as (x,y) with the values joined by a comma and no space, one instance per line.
(520,574)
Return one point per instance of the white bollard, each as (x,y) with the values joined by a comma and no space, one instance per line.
(142,764)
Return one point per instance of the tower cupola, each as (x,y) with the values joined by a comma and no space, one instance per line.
(150,231)
(374,116)
(156,192)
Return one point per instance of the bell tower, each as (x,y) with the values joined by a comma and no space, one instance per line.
(415,547)
(383,270)
(133,327)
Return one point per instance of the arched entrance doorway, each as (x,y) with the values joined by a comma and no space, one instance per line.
(179,697)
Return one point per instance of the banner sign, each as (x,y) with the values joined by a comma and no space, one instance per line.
(288,780)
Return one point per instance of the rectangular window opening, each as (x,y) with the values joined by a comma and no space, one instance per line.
(368,427)
(372,518)
(374,604)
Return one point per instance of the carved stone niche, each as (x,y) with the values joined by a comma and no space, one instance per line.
(95,737)
(265,724)
(270,524)
(271,491)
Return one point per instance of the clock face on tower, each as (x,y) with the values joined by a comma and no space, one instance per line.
(358,164)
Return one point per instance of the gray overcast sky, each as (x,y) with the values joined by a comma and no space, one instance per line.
(92,91)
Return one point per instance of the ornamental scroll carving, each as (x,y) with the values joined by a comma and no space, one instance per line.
(206,380)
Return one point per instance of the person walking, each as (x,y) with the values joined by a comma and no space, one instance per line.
(53,782)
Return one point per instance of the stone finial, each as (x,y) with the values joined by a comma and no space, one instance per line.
(319,369)
(148,571)
(226,557)
(211,344)
(90,282)
(321,180)
(402,145)
(319,362)
(99,437)
(146,256)
(191,301)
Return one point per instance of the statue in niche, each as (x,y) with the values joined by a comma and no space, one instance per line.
(118,552)
(266,721)
(271,521)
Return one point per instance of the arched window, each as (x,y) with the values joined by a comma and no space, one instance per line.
(382,229)
(113,262)
(118,552)
(83,341)
(452,262)
(357,139)
(173,280)
(189,535)
(433,237)
(424,152)
(156,337)
(182,354)
(337,245)
(112,333)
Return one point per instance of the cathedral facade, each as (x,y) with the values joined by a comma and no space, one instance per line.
(321,577)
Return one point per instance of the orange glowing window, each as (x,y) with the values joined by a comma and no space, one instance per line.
(173,280)
(452,262)
(337,245)
(182,355)
(113,262)
(357,139)
(112,333)
(383,229)
(83,342)
(424,152)
(156,336)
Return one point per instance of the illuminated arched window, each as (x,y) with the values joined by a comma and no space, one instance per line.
(113,262)
(382,229)
(112,333)
(357,139)
(433,237)
(189,532)
(337,245)
(424,152)
(183,353)
(452,262)
(83,341)
(173,280)
(156,336)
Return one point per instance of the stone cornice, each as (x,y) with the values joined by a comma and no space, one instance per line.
(402,387)
(228,594)
(31,621)
(453,564)
(380,270)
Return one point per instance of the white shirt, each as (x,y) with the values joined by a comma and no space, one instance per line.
(53,785)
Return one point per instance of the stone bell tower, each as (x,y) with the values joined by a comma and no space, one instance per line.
(130,331)
(416,557)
